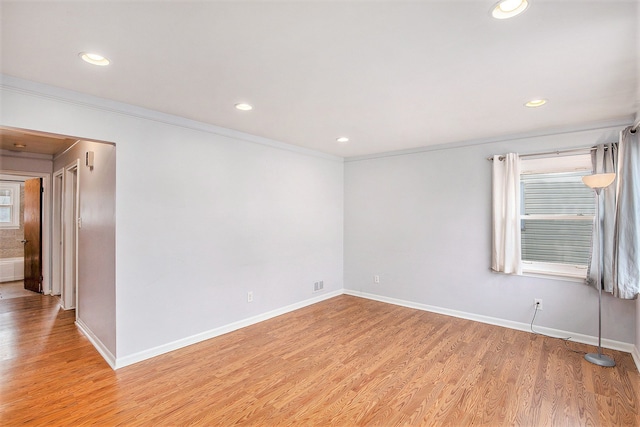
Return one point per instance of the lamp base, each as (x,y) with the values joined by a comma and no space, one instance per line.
(600,359)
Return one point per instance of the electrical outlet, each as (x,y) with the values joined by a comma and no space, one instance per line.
(376,279)
(249,296)
(318,286)
(538,302)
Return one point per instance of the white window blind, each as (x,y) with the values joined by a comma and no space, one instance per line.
(557,212)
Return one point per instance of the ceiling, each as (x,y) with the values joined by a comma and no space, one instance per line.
(390,75)
(18,140)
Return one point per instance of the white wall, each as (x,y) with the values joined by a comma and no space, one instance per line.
(637,337)
(21,163)
(636,121)
(96,239)
(421,222)
(637,341)
(203,215)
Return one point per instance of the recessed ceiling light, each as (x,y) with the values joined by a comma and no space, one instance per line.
(342,139)
(19,145)
(244,107)
(509,8)
(535,103)
(94,58)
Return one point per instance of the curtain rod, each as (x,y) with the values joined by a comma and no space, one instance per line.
(558,152)
(634,129)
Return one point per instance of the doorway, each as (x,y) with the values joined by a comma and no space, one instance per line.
(33,260)
(81,262)
(58,252)
(56,236)
(70,222)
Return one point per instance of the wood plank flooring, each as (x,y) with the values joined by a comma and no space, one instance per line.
(346,362)
(14,289)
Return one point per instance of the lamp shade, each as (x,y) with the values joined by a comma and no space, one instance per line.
(599,180)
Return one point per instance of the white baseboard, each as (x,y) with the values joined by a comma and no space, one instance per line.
(121,362)
(581,338)
(102,349)
(636,356)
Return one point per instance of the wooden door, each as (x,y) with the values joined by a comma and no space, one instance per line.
(33,234)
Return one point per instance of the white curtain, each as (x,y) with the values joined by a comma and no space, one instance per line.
(615,259)
(506,251)
(626,254)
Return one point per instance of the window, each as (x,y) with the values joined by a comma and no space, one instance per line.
(9,205)
(557,212)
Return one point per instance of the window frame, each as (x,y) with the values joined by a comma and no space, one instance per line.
(14,188)
(555,165)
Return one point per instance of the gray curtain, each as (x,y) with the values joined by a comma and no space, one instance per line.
(617,254)
(600,272)
(626,253)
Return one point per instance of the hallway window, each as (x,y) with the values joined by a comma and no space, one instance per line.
(9,205)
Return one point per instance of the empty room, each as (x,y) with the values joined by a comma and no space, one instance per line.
(320,212)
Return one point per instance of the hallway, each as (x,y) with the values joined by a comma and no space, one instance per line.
(14,289)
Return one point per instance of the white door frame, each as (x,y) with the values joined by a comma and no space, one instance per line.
(46,221)
(57,266)
(70,208)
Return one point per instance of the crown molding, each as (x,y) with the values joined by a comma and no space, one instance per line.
(615,125)
(41,90)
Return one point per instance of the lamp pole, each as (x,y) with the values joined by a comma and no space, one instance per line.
(597,182)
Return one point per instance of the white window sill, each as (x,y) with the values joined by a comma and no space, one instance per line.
(555,271)
(549,275)
(553,276)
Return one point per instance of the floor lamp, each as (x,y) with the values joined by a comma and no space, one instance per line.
(598,182)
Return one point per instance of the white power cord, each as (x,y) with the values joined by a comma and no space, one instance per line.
(566,340)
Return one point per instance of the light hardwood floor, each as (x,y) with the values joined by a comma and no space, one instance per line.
(14,289)
(346,361)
